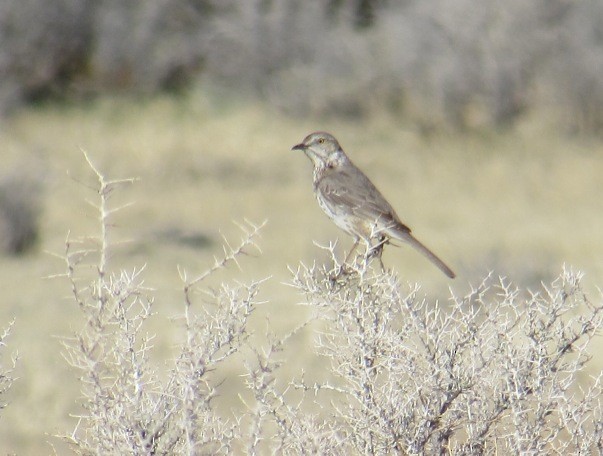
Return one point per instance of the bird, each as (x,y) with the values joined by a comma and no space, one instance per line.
(353,202)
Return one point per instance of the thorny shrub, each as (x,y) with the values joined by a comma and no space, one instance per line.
(6,369)
(495,371)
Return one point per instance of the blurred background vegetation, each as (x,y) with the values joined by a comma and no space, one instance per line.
(480,121)
(440,63)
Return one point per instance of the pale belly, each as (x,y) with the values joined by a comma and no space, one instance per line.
(345,220)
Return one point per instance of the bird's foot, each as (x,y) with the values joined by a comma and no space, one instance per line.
(340,272)
(376,251)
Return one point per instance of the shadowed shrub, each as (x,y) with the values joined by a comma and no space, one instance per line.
(148,46)
(19,213)
(44,46)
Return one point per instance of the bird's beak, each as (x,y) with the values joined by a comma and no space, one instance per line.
(300,146)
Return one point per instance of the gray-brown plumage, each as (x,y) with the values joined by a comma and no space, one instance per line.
(351,200)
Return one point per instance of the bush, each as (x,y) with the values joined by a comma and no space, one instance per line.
(19,212)
(6,370)
(128,409)
(76,47)
(495,371)
(44,46)
(441,63)
(148,46)
(575,81)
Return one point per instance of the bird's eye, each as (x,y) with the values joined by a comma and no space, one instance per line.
(321,140)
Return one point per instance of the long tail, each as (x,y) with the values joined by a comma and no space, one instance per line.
(407,237)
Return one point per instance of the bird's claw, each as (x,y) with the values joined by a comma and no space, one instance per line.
(341,271)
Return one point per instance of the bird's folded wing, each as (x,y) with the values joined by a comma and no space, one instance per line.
(357,193)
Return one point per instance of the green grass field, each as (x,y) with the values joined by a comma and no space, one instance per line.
(520,203)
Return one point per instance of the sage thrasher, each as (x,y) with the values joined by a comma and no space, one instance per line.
(351,200)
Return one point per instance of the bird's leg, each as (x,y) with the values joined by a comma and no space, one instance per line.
(377,251)
(356,242)
(381,261)
(344,268)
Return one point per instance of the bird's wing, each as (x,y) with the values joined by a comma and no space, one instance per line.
(352,189)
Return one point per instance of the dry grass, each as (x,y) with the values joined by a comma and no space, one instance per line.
(521,203)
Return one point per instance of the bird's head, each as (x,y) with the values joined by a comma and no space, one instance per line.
(321,147)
